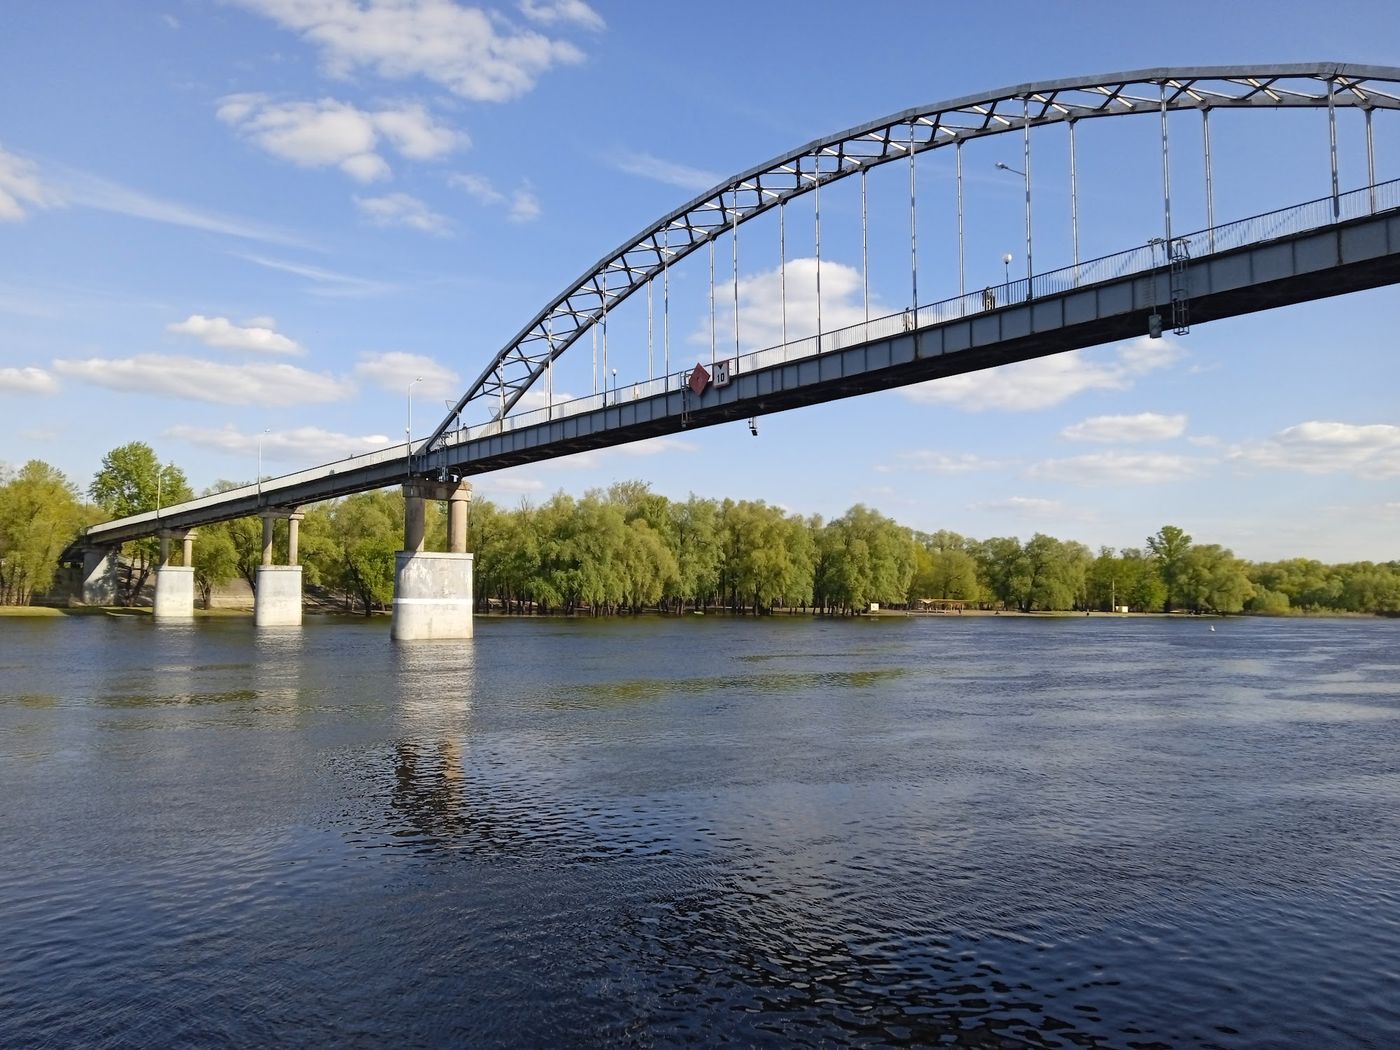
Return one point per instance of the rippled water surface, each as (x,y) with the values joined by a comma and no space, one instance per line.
(961,831)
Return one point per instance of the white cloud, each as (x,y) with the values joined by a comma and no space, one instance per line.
(27,381)
(1030,505)
(1118,468)
(300,444)
(471,52)
(500,483)
(549,12)
(400,209)
(647,166)
(761,300)
(1366,450)
(330,133)
(255,383)
(521,204)
(259,335)
(393,371)
(1144,426)
(929,462)
(1046,381)
(326,282)
(20,188)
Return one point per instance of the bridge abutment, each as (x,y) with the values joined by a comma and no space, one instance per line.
(175,583)
(277,597)
(433,590)
(98,583)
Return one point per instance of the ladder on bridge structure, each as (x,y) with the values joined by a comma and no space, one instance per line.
(1178,255)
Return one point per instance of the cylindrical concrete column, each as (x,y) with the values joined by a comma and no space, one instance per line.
(267,520)
(188,560)
(293,536)
(414,519)
(458,504)
(164,549)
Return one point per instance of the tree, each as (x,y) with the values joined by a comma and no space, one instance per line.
(1169,548)
(215,559)
(368,532)
(39,514)
(1211,579)
(130,481)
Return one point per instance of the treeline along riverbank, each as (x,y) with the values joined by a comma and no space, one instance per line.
(628,549)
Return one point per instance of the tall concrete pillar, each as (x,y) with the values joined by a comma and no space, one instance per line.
(433,590)
(174,584)
(188,558)
(98,584)
(277,598)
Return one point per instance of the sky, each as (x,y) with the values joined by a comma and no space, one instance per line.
(236,229)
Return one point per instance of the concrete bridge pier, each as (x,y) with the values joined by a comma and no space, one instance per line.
(277,599)
(97,584)
(433,590)
(175,583)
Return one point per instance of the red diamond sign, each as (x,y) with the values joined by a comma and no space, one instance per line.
(699,379)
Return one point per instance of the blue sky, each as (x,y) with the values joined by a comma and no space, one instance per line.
(227,220)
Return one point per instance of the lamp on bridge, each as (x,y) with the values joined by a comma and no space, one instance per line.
(1026,176)
(266,431)
(408,430)
(1006,267)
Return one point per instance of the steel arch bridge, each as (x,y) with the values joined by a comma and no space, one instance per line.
(524,361)
(1092,302)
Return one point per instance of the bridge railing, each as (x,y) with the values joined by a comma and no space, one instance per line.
(1298,218)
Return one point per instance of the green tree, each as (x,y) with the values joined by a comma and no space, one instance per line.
(1169,547)
(132,480)
(39,515)
(1211,579)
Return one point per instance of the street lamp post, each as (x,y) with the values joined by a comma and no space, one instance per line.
(266,431)
(1026,176)
(1006,267)
(408,430)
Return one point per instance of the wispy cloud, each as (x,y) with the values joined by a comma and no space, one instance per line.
(1118,468)
(931,462)
(648,166)
(27,381)
(325,282)
(1032,385)
(259,335)
(394,370)
(552,12)
(520,204)
(405,211)
(1144,426)
(300,444)
(470,51)
(187,378)
(1366,450)
(21,188)
(1027,505)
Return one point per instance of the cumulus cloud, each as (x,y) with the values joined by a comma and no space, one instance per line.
(259,335)
(1118,468)
(648,166)
(299,444)
(393,371)
(27,381)
(520,205)
(330,133)
(401,209)
(1366,450)
(162,375)
(1046,381)
(20,188)
(467,50)
(930,462)
(761,305)
(1144,426)
(552,12)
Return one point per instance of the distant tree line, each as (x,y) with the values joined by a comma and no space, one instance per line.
(628,549)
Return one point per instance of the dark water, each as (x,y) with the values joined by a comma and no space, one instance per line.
(968,832)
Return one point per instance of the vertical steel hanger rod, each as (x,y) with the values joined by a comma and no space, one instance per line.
(1210,186)
(962,274)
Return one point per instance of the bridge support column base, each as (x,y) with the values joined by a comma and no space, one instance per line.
(277,602)
(174,593)
(98,585)
(432,596)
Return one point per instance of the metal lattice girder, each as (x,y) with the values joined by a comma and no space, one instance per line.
(736,200)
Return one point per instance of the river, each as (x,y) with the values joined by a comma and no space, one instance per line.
(965,831)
